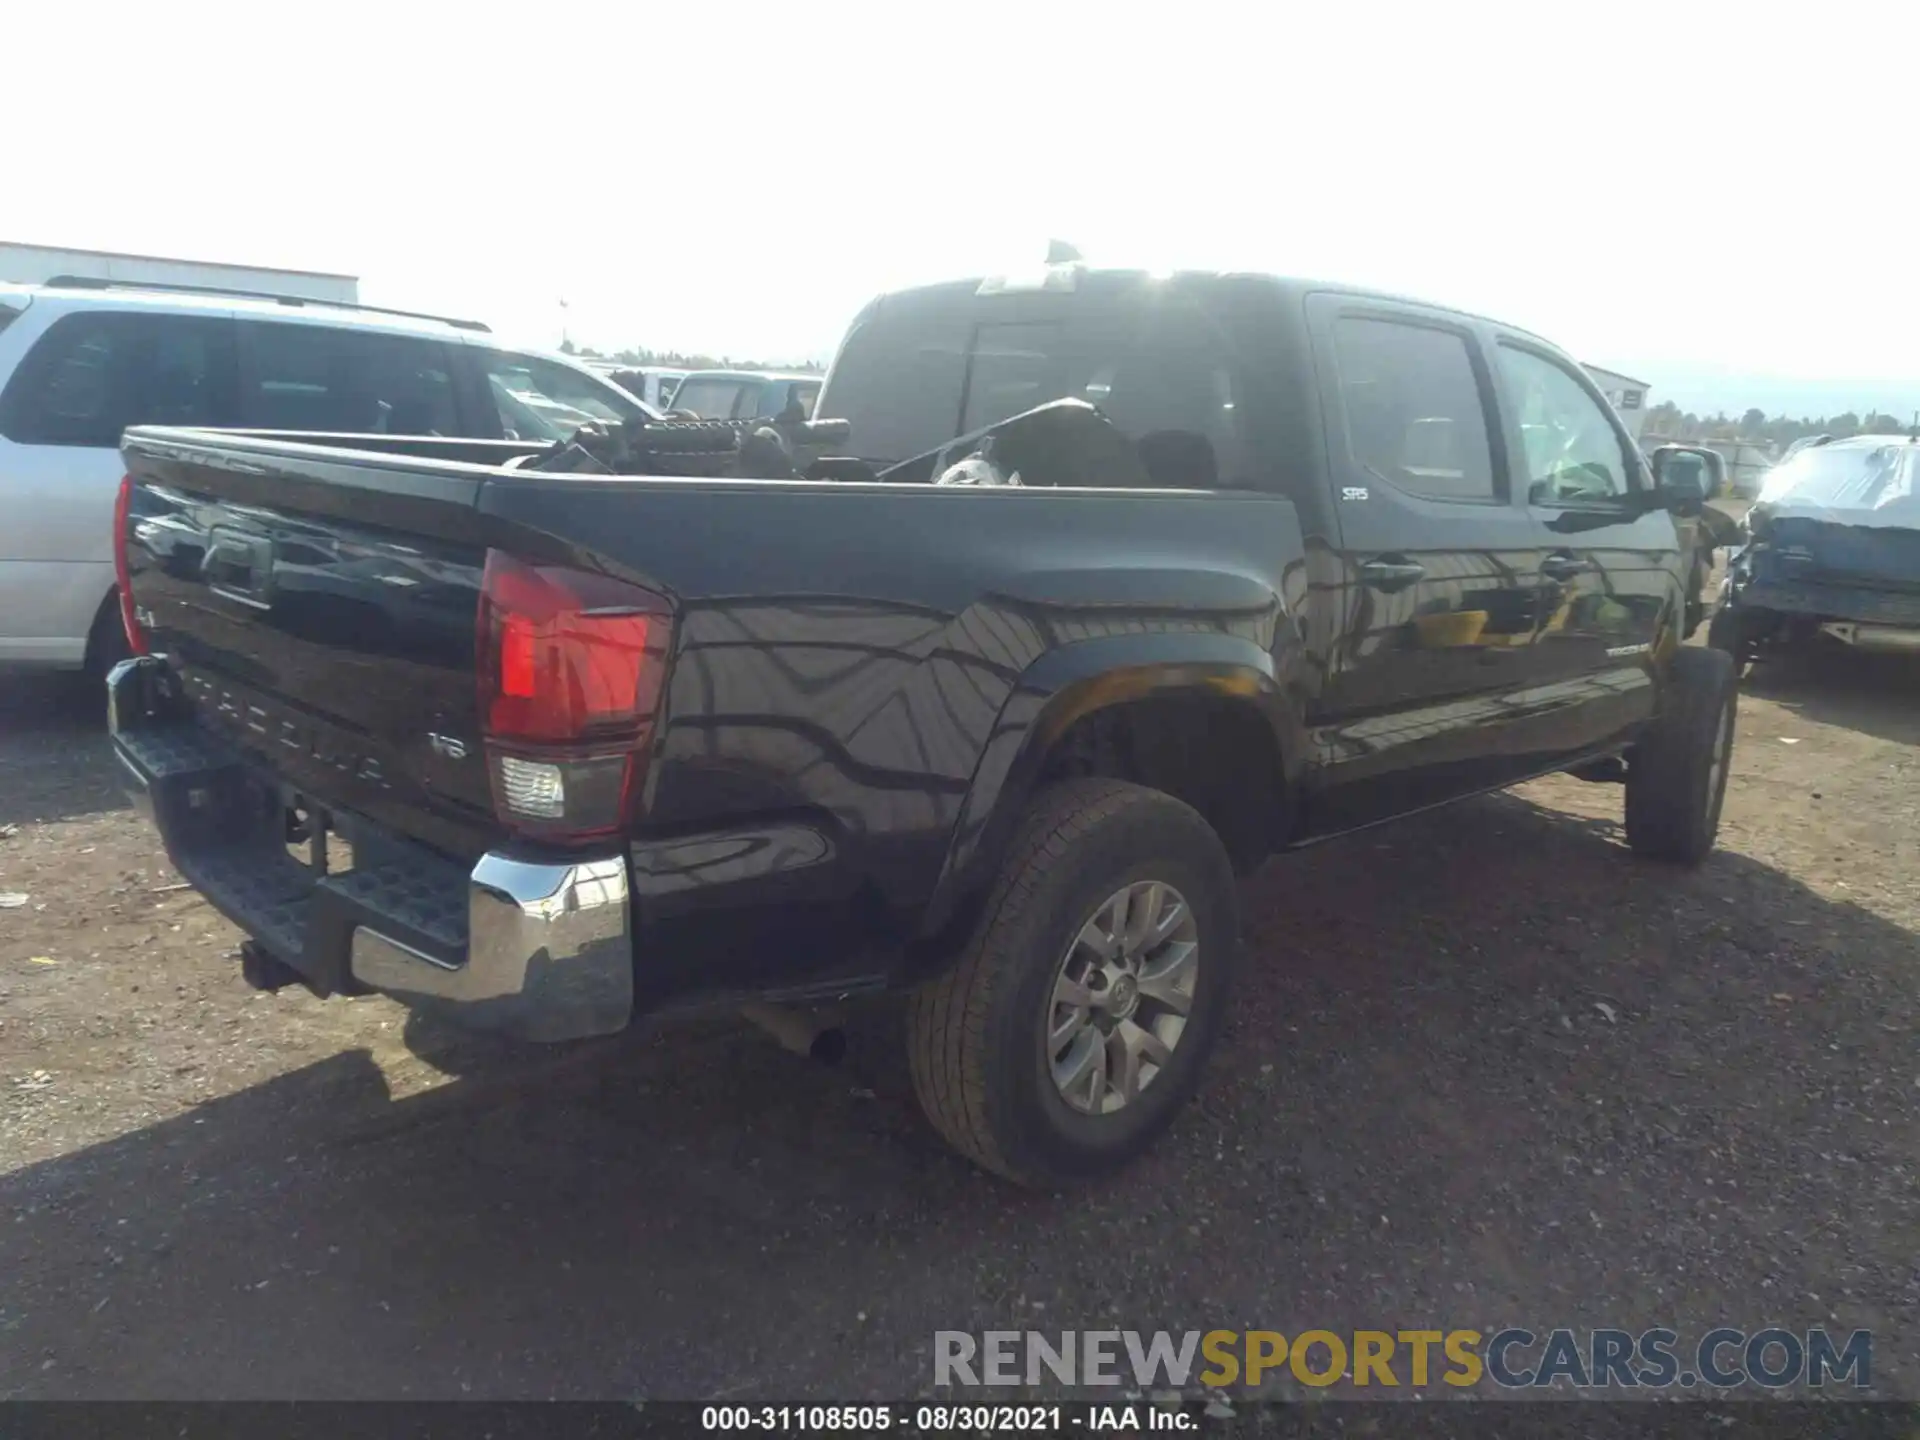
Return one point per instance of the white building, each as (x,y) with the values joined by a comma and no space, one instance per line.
(1626,394)
(37,264)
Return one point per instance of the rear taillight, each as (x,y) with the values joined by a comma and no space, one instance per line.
(123,569)
(571,669)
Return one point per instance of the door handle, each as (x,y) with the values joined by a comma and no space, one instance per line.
(1391,575)
(1565,567)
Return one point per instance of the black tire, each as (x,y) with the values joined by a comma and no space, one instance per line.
(976,1037)
(1696,609)
(1677,773)
(1727,633)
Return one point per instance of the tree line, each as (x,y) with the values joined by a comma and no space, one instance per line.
(1756,427)
(680,360)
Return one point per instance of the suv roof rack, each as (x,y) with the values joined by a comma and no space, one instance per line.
(90,282)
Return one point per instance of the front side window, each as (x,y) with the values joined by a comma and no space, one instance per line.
(541,399)
(1413,406)
(332,380)
(1573,454)
(93,374)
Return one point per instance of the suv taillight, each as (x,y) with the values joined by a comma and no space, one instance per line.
(571,667)
(123,570)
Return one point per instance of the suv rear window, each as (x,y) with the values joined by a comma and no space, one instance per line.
(96,372)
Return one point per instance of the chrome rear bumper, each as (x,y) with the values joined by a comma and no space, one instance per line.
(537,947)
(549,952)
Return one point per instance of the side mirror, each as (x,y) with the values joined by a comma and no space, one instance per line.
(1682,478)
(1683,493)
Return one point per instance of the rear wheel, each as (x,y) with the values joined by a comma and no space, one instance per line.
(1079,1018)
(1677,773)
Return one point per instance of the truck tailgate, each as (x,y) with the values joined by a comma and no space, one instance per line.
(321,616)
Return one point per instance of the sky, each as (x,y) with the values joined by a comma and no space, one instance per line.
(1715,198)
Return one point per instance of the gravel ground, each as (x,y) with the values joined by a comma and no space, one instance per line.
(1486,1069)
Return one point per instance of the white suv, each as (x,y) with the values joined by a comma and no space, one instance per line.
(81,360)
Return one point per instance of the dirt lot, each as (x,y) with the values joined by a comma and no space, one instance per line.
(1487,1069)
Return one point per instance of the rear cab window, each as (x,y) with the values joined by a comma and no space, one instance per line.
(95,372)
(919,369)
(710,399)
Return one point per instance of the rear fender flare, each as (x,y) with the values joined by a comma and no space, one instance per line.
(1067,685)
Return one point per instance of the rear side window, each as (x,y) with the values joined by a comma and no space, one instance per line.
(94,373)
(356,382)
(1415,415)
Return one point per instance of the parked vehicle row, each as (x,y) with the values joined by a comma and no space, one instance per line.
(1269,562)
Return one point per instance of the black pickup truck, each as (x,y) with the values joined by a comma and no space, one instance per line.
(554,742)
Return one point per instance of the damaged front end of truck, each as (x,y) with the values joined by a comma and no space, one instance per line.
(1832,553)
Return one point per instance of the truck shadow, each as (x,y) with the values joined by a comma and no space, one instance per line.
(1876,695)
(1453,1044)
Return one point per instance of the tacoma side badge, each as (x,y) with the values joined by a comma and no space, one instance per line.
(1353,492)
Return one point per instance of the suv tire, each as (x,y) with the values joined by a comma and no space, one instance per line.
(106,643)
(1092,858)
(1677,772)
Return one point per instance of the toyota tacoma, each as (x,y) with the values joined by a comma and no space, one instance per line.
(1097,589)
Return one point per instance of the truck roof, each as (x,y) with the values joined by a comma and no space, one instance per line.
(1097,278)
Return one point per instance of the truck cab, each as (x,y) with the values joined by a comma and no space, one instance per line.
(1490,566)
